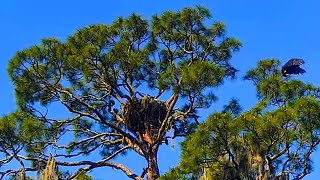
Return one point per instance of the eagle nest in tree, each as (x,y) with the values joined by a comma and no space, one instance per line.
(144,116)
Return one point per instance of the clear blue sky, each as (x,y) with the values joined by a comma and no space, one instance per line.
(268,29)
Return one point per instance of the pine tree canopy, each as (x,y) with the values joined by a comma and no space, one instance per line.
(125,86)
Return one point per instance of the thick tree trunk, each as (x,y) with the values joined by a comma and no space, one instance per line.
(153,169)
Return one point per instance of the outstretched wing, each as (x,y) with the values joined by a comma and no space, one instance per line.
(297,70)
(294,62)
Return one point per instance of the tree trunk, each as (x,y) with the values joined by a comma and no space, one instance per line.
(153,169)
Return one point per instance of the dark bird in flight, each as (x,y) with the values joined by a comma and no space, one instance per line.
(293,67)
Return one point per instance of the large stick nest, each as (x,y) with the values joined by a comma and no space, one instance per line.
(144,116)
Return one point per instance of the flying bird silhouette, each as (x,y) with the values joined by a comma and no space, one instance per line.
(293,67)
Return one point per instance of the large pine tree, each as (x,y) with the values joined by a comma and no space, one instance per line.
(126,85)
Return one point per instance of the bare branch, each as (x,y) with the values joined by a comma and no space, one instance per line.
(170,103)
(11,171)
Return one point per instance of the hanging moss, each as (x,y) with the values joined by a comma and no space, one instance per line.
(51,171)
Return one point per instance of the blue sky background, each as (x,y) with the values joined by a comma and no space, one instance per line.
(268,29)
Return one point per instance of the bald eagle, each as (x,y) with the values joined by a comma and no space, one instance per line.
(293,67)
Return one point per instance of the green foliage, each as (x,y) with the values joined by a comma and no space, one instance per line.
(83,176)
(19,128)
(191,50)
(233,107)
(177,173)
(201,75)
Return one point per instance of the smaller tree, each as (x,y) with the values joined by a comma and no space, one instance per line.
(274,139)
(18,132)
